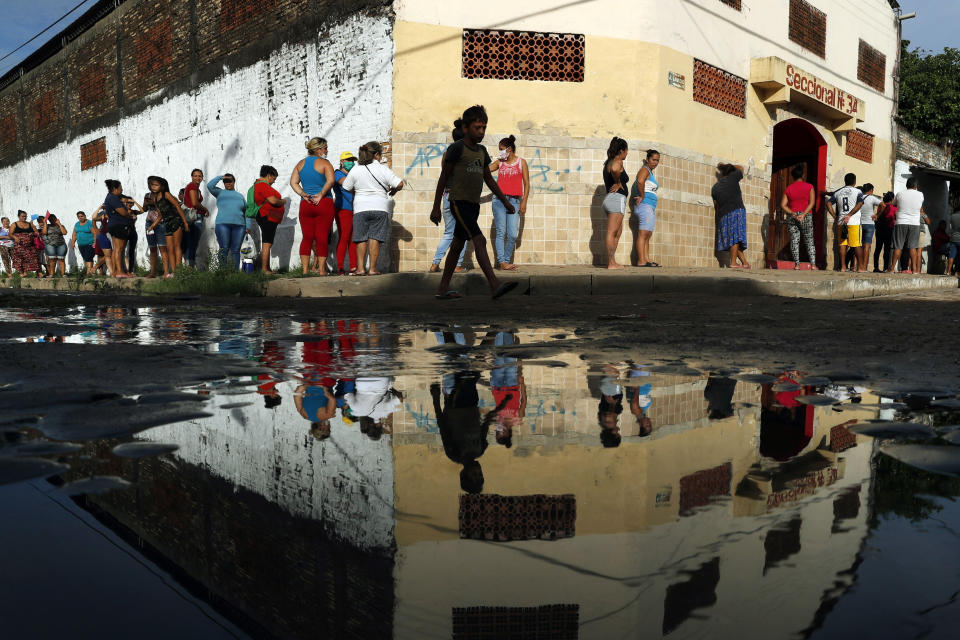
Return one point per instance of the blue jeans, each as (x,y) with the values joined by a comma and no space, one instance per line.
(449,223)
(230,237)
(190,241)
(508,227)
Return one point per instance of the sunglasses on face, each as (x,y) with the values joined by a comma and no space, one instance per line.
(228,181)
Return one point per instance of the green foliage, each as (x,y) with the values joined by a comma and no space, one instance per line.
(902,490)
(216,282)
(930,94)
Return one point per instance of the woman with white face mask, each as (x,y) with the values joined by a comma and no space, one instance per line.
(312,179)
(513,176)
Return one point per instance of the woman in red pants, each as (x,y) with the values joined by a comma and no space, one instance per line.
(312,179)
(343,202)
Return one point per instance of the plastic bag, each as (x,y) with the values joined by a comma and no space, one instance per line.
(248,248)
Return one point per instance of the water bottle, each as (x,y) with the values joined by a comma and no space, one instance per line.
(247,265)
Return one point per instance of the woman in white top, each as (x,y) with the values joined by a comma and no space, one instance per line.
(373,186)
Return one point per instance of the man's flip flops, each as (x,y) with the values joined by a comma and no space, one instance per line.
(449,295)
(504,289)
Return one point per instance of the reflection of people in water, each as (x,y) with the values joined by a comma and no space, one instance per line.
(610,407)
(786,425)
(719,396)
(272,357)
(463,433)
(508,388)
(314,397)
(641,400)
(371,401)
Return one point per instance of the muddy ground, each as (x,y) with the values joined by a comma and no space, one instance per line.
(908,341)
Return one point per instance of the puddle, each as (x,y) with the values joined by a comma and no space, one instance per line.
(318,477)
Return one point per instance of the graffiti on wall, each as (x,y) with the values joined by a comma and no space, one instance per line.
(543,177)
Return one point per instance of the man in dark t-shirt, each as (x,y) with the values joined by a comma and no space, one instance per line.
(466,167)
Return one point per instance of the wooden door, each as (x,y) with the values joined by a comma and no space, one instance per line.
(778,236)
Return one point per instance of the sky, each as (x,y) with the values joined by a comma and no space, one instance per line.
(933,29)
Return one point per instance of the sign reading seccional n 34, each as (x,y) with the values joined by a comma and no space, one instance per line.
(779,82)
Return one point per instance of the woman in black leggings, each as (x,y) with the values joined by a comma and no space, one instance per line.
(886,216)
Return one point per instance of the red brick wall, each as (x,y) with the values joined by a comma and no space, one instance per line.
(808,27)
(11,137)
(93,153)
(91,72)
(44,107)
(229,25)
(155,47)
(872,67)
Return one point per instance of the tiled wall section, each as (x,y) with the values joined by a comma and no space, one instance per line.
(560,402)
(564,223)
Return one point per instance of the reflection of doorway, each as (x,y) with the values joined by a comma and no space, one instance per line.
(796,141)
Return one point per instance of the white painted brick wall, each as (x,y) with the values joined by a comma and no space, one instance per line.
(338,86)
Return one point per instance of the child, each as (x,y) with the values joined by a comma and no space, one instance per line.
(466,165)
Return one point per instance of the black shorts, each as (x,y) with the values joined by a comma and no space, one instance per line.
(268,229)
(467,215)
(120,231)
(86,252)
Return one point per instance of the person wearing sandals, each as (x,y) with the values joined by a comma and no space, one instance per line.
(373,186)
(119,225)
(645,208)
(466,168)
(172,222)
(25,255)
(312,179)
(797,202)
(731,214)
(513,176)
(449,222)
(615,201)
(54,244)
(343,203)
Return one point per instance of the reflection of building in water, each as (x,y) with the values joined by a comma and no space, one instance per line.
(690,531)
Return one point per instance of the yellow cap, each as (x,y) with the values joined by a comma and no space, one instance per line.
(347,155)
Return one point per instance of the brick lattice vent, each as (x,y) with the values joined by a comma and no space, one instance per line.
(554,621)
(860,145)
(872,67)
(93,153)
(808,27)
(732,3)
(719,89)
(523,55)
(698,489)
(841,438)
(502,518)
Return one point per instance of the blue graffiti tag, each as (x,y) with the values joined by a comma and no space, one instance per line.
(424,156)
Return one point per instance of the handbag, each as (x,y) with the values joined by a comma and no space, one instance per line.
(38,242)
(190,214)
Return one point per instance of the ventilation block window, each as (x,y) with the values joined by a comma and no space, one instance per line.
(732,3)
(808,27)
(522,55)
(719,89)
(93,153)
(872,67)
(860,145)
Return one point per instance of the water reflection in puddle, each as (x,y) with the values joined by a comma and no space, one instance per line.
(379,479)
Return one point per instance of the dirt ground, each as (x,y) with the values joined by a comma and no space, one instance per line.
(908,341)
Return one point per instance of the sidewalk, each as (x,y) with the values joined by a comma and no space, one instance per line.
(574,280)
(579,280)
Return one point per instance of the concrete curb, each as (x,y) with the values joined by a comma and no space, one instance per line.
(558,283)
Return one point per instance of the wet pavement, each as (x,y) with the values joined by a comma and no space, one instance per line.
(200,472)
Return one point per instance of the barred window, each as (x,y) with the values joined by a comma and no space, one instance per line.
(523,55)
(872,67)
(860,145)
(808,27)
(719,89)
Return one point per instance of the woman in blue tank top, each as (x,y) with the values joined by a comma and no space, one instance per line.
(312,179)
(645,196)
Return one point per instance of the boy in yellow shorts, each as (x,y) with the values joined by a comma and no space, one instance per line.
(844,205)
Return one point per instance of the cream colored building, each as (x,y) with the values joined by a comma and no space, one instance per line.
(762,84)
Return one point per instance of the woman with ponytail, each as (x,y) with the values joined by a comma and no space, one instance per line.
(615,201)
(373,186)
(513,176)
(312,179)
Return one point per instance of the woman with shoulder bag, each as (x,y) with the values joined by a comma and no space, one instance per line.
(373,186)
(194,212)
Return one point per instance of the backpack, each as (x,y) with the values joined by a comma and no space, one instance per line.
(253,209)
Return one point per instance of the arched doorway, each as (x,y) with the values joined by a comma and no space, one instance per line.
(796,141)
